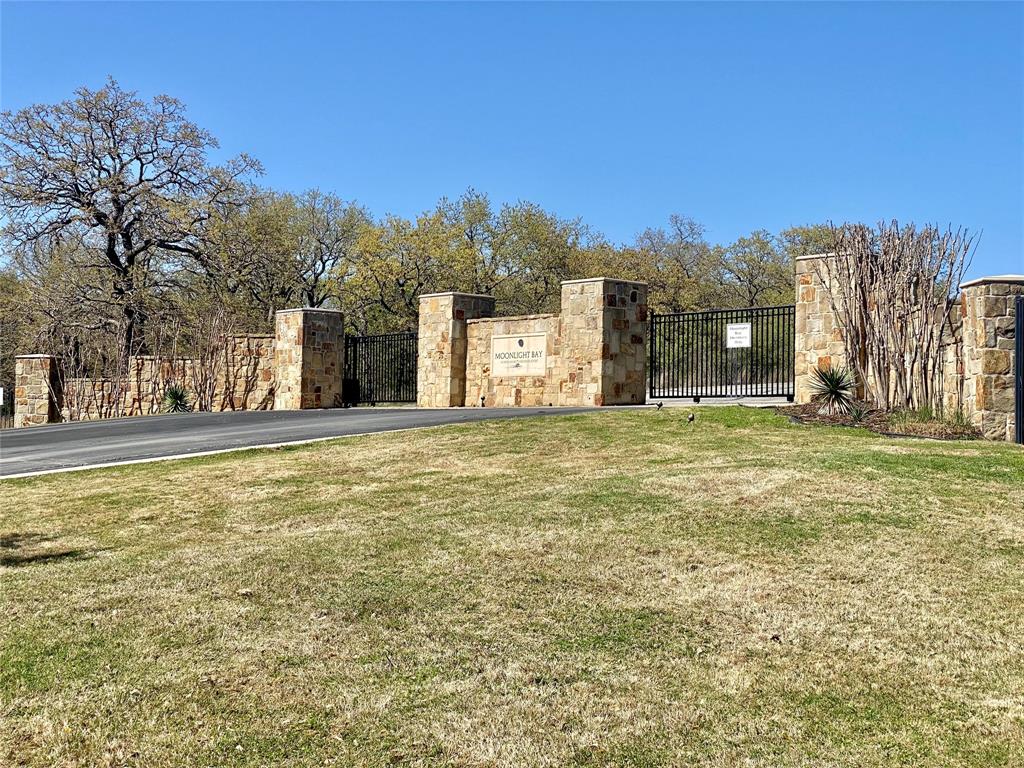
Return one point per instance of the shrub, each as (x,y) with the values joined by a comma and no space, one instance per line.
(176,399)
(925,421)
(857,412)
(833,388)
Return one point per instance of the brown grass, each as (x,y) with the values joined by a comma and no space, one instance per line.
(618,588)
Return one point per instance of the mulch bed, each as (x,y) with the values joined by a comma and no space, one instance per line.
(880,422)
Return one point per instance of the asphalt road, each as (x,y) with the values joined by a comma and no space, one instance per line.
(60,447)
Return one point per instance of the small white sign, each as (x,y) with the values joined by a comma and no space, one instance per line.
(523,354)
(737,335)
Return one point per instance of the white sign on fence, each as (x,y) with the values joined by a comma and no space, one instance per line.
(737,335)
(524,354)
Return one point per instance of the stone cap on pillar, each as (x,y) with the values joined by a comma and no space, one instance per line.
(310,309)
(455,293)
(993,279)
(603,280)
(32,357)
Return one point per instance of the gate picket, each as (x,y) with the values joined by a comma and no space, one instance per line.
(689,355)
(380,368)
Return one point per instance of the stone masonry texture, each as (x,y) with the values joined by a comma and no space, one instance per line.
(443,343)
(239,376)
(819,339)
(36,390)
(301,366)
(309,358)
(988,312)
(977,346)
(596,350)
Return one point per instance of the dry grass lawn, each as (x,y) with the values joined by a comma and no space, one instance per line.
(616,588)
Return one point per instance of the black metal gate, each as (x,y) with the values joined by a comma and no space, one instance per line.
(723,353)
(380,369)
(1019,387)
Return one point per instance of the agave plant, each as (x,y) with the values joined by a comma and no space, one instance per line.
(833,388)
(176,399)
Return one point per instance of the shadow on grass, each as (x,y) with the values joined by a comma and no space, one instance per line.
(21,549)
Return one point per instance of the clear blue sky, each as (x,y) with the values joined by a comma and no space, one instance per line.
(743,116)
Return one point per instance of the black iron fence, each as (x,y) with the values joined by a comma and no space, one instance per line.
(380,369)
(723,353)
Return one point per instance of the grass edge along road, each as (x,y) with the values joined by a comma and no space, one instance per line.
(613,588)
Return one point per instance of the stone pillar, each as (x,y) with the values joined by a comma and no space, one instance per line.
(604,342)
(309,358)
(988,312)
(819,339)
(36,390)
(441,368)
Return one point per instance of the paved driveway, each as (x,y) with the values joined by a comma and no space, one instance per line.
(83,444)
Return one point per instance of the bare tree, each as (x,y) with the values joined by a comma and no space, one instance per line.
(126,182)
(892,290)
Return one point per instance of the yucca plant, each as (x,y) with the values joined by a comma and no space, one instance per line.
(833,388)
(176,399)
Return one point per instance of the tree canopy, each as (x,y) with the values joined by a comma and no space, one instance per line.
(121,230)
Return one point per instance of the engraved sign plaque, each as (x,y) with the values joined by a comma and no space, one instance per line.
(523,354)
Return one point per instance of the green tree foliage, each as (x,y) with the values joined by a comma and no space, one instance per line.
(755,271)
(14,298)
(678,264)
(808,239)
(327,229)
(127,239)
(519,254)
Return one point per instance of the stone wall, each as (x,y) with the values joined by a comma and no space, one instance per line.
(988,310)
(309,358)
(238,376)
(624,343)
(441,367)
(513,390)
(85,399)
(595,349)
(301,366)
(819,339)
(36,390)
(977,345)
(247,381)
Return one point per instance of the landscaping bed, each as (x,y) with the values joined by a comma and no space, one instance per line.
(889,423)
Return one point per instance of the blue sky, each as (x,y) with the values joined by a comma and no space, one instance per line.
(743,116)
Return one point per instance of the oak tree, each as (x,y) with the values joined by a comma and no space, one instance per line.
(126,183)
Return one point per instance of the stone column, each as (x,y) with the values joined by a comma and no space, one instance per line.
(624,350)
(988,311)
(441,367)
(604,342)
(309,358)
(36,390)
(819,339)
